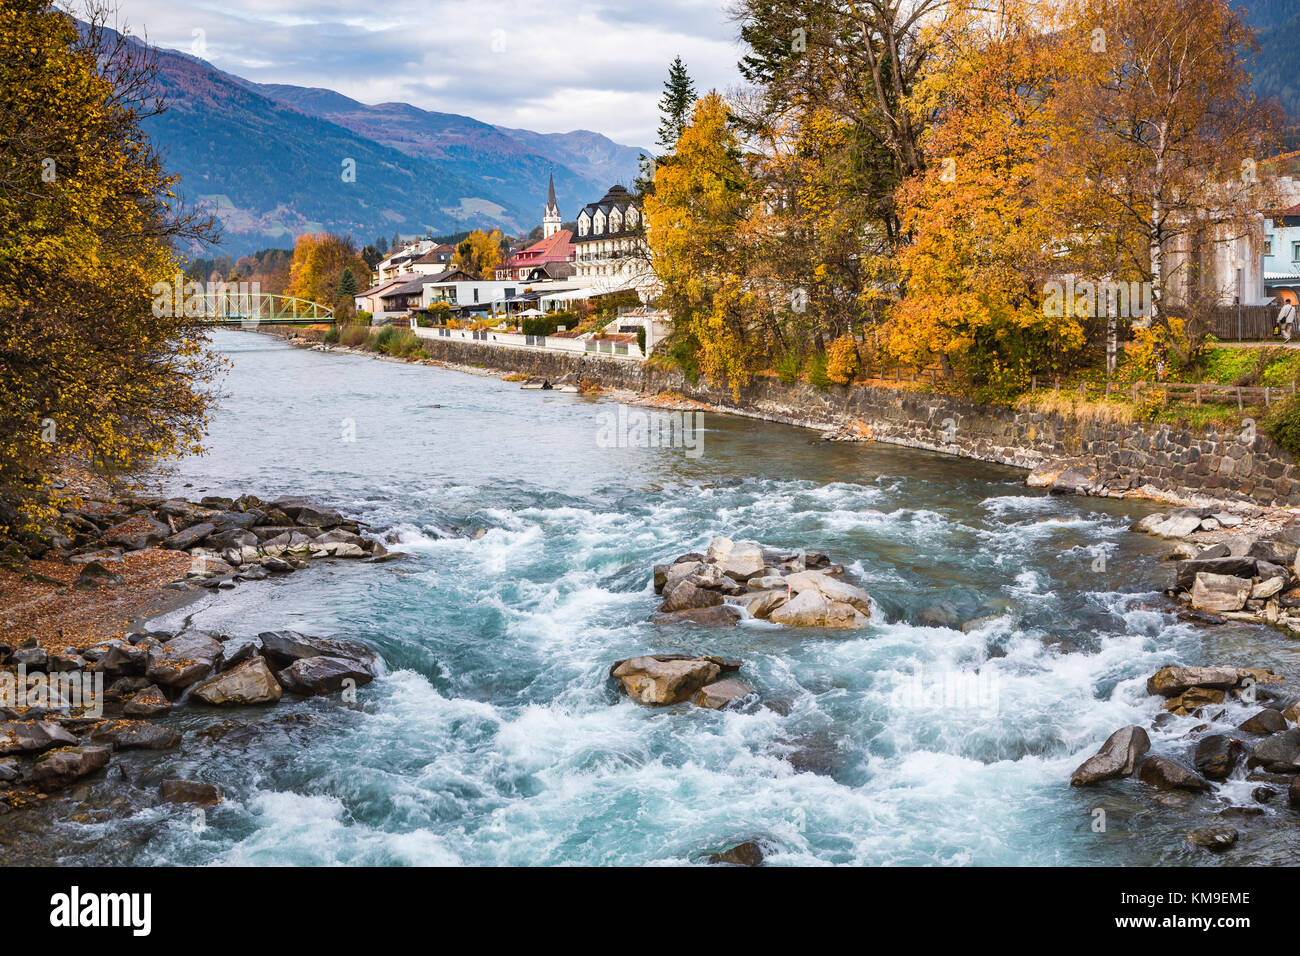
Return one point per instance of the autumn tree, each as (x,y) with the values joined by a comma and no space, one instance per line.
(320,261)
(983,238)
(1160,128)
(695,219)
(89,223)
(479,253)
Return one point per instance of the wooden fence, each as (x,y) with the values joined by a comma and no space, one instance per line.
(1256,323)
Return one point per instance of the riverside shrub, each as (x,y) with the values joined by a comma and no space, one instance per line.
(1283,424)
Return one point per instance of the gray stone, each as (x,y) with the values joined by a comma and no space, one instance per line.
(1118,757)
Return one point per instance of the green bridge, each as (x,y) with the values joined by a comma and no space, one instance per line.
(252,309)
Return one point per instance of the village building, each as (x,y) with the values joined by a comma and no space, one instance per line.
(611,252)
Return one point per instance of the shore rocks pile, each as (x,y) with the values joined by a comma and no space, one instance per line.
(1264,748)
(1240,577)
(50,744)
(228,539)
(736,579)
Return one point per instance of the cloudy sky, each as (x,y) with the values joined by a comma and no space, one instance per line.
(546,66)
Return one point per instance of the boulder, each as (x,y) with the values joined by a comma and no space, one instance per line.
(305,513)
(138,532)
(66,660)
(1164,774)
(740,560)
(33,658)
(189,791)
(1265,722)
(95,575)
(1186,571)
(660,577)
(1274,552)
(744,854)
(1266,589)
(184,660)
(833,589)
(1277,753)
(1293,793)
(1220,592)
(286,647)
(650,680)
(720,693)
(147,702)
(236,650)
(135,735)
(310,676)
(1191,700)
(1118,757)
(1217,839)
(249,683)
(678,572)
(122,660)
(190,537)
(761,604)
(811,608)
(1178,525)
(61,768)
(722,615)
(687,596)
(10,770)
(1172,681)
(32,736)
(1218,755)
(766,582)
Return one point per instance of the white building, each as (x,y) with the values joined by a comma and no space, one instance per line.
(612,254)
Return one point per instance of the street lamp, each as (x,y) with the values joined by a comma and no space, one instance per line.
(1241,268)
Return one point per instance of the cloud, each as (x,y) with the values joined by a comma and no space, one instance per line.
(549,67)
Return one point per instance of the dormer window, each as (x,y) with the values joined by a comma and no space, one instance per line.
(615,221)
(598,225)
(631,217)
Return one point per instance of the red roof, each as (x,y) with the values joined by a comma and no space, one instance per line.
(558,248)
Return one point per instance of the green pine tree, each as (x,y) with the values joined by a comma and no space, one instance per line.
(676,104)
(347,285)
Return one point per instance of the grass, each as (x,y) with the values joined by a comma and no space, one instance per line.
(1071,406)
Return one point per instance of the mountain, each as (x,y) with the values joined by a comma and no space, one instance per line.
(269,161)
(513,164)
(1277,23)
(609,162)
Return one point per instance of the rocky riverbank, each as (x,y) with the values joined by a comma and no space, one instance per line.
(77,685)
(1228,567)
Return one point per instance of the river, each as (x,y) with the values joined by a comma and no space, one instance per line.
(495,737)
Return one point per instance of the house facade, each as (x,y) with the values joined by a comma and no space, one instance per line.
(611,252)
(1282,256)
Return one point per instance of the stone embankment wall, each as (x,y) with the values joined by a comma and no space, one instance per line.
(1172,459)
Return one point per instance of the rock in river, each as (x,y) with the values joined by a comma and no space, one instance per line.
(249,683)
(61,768)
(135,735)
(310,676)
(652,680)
(1118,757)
(1164,774)
(720,693)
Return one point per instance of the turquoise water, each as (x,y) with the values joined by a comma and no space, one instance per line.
(495,738)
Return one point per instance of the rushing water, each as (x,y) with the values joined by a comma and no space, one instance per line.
(495,737)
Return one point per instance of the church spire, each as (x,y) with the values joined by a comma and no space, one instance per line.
(552,220)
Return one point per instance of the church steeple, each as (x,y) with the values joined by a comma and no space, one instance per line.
(552,221)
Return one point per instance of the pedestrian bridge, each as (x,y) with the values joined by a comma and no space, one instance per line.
(250,309)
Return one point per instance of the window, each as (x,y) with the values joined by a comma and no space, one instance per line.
(476,295)
(1268,246)
(510,293)
(1295,252)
